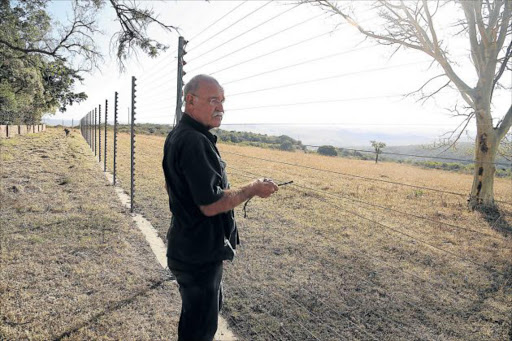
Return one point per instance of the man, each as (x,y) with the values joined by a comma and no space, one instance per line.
(203,231)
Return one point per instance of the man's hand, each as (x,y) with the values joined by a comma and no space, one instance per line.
(264,188)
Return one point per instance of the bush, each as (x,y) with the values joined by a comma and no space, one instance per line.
(286,145)
(327,150)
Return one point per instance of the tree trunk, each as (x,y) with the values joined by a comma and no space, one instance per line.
(486,148)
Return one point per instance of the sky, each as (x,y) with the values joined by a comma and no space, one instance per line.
(282,66)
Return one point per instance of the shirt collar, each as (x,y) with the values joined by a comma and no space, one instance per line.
(189,121)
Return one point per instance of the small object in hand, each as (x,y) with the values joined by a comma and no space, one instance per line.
(265,179)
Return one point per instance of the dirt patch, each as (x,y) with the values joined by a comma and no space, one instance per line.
(73,266)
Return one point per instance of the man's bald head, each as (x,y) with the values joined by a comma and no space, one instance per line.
(204,99)
(193,85)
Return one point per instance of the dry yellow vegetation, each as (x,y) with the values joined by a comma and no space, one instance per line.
(72,264)
(350,252)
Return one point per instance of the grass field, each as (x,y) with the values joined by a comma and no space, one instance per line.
(72,264)
(350,253)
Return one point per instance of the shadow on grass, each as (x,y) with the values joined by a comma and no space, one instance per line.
(111,308)
(494,215)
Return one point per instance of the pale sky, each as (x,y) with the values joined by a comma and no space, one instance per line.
(329,75)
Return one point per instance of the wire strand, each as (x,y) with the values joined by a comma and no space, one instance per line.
(346,74)
(389,209)
(256,42)
(243,33)
(397,231)
(356,176)
(218,20)
(225,29)
(272,52)
(296,64)
(412,155)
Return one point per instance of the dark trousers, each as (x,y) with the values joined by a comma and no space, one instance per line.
(201,299)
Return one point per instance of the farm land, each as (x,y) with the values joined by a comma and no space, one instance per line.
(352,250)
(349,252)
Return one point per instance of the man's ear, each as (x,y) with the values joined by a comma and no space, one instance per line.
(189,99)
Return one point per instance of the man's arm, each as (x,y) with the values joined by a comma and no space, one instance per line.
(234,197)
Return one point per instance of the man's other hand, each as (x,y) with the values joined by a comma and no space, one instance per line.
(264,188)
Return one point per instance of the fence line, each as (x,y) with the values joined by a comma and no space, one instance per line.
(432,284)
(357,176)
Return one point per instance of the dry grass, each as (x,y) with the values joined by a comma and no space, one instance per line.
(73,265)
(317,266)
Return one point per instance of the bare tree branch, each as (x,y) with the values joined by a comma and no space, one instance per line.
(505,125)
(503,67)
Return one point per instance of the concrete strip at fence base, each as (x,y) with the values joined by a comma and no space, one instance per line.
(158,247)
(3,131)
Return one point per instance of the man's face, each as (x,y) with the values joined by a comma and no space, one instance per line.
(205,104)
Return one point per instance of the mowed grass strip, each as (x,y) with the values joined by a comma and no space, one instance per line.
(328,264)
(73,266)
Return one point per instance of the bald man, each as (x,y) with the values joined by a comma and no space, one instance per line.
(203,232)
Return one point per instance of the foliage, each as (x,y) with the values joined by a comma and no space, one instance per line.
(282,142)
(41,59)
(327,150)
(31,84)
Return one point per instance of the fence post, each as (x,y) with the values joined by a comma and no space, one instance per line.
(132,151)
(86,127)
(179,95)
(95,127)
(89,130)
(115,136)
(99,133)
(106,120)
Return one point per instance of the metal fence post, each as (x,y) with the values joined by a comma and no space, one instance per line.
(85,128)
(106,120)
(179,95)
(89,131)
(115,136)
(132,144)
(95,127)
(99,133)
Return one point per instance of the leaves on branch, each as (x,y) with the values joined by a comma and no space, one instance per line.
(134,23)
(40,60)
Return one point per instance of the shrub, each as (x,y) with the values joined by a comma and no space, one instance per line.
(327,150)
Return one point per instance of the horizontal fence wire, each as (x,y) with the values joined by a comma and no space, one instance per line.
(256,42)
(245,32)
(404,234)
(389,209)
(272,52)
(217,21)
(360,278)
(414,155)
(357,176)
(434,285)
(216,34)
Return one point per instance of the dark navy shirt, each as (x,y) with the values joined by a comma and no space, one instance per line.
(196,176)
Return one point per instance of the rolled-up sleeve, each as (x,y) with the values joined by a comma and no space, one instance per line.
(202,170)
